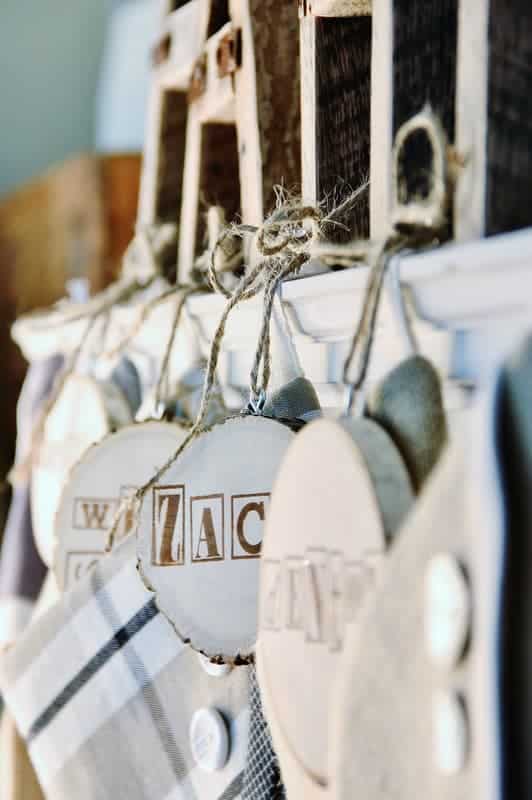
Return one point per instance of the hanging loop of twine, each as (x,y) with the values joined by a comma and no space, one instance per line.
(357,361)
(185,293)
(282,245)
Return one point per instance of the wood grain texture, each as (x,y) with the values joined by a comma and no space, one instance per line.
(509,135)
(424,71)
(424,55)
(274,26)
(120,182)
(343,95)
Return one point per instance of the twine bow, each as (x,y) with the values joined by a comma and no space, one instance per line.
(280,247)
(283,246)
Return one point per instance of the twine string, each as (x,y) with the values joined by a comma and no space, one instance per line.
(283,244)
(132,504)
(186,292)
(142,317)
(362,342)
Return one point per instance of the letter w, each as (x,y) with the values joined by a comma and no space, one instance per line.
(95,514)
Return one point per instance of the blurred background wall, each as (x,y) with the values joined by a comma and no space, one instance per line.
(50,57)
(73,78)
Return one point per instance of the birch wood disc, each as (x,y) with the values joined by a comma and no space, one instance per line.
(340,494)
(106,473)
(200,533)
(85,411)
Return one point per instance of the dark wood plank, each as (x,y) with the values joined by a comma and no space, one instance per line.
(219,176)
(424,71)
(509,138)
(275,26)
(343,95)
(172,156)
(170,167)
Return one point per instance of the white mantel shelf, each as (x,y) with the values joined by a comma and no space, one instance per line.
(471,302)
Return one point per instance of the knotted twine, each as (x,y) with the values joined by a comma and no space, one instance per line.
(283,243)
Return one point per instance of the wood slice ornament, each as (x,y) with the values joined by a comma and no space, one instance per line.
(108,473)
(200,533)
(85,411)
(341,493)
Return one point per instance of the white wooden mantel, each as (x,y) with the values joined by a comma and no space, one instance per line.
(470,303)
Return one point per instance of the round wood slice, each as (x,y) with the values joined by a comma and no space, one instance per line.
(107,473)
(85,411)
(200,533)
(340,494)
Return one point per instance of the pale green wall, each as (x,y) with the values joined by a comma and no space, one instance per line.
(50,55)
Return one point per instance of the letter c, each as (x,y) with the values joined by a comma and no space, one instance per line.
(251,549)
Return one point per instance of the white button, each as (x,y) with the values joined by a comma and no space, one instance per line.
(450,732)
(209,739)
(211,668)
(447,610)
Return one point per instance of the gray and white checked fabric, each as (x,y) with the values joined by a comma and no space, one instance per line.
(103,691)
(262,777)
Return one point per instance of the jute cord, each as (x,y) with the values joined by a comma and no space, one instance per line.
(283,242)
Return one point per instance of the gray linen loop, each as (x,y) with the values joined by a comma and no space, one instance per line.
(416,223)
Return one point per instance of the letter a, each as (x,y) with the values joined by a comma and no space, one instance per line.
(207,535)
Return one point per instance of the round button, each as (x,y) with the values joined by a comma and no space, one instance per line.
(447,610)
(450,732)
(212,668)
(209,739)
